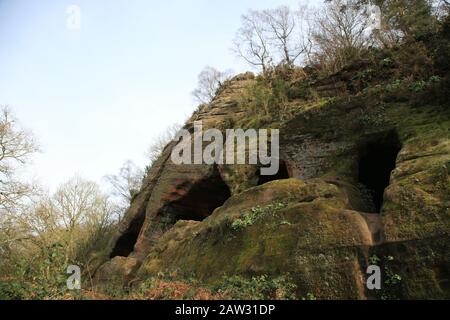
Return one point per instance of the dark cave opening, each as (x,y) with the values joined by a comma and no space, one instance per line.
(200,201)
(282,173)
(376,161)
(125,244)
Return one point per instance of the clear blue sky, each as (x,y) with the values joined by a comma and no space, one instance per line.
(97,96)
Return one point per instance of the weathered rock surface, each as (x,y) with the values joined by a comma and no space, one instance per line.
(321,226)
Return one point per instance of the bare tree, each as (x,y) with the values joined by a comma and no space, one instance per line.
(16,147)
(273,37)
(75,200)
(127,183)
(288,32)
(209,81)
(159,144)
(80,209)
(251,42)
(76,218)
(340,33)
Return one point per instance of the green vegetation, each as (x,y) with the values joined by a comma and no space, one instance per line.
(258,288)
(422,85)
(310,297)
(374,260)
(401,73)
(262,287)
(255,214)
(391,280)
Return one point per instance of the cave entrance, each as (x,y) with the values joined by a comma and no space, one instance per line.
(282,173)
(125,244)
(200,201)
(376,161)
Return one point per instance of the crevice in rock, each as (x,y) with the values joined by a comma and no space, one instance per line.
(283,173)
(376,160)
(125,244)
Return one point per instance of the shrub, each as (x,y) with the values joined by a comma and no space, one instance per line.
(12,290)
(301,90)
(255,214)
(258,288)
(266,100)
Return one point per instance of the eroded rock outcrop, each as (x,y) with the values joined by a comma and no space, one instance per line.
(361,179)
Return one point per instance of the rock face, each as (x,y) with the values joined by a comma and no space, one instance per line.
(360,183)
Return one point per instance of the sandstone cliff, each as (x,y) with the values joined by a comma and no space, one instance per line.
(363,180)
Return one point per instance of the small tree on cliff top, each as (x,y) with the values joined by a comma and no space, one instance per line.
(272,37)
(209,81)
